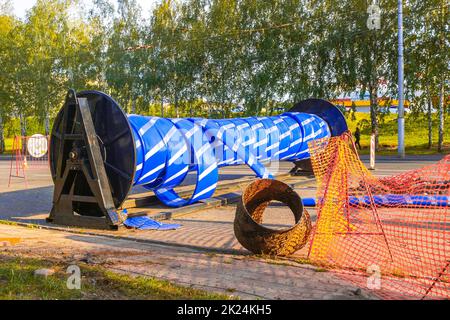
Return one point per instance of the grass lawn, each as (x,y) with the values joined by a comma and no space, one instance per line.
(8,145)
(416,134)
(17,281)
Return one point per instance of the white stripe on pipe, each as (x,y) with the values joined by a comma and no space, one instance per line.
(284,135)
(226,161)
(236,145)
(281,151)
(212,187)
(203,122)
(154,150)
(318,132)
(152,172)
(275,145)
(217,143)
(307,121)
(207,171)
(202,150)
(242,126)
(251,160)
(257,126)
(222,130)
(260,143)
(266,174)
(248,142)
(313,134)
(176,175)
(177,155)
(175,200)
(272,129)
(296,142)
(302,152)
(147,126)
(191,132)
(278,121)
(288,156)
(170,134)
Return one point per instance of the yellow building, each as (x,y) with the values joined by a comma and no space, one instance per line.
(383,102)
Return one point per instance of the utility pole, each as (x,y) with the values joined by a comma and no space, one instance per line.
(400,109)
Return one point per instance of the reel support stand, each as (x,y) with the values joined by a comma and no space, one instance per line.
(80,162)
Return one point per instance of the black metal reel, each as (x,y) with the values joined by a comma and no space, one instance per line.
(92,161)
(332,116)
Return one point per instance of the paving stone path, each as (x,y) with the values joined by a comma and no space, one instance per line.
(245,276)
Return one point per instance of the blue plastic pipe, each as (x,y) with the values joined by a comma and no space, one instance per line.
(392,200)
(167,149)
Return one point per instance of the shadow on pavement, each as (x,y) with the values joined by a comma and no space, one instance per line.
(24,205)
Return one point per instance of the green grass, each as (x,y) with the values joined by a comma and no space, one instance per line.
(416,134)
(8,145)
(17,281)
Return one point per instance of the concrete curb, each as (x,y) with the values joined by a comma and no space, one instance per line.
(126,238)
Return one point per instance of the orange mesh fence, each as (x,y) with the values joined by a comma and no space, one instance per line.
(393,232)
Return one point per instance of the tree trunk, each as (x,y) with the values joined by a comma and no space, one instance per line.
(133,106)
(47,124)
(430,120)
(23,125)
(441,118)
(2,137)
(430,126)
(23,130)
(176,106)
(374,112)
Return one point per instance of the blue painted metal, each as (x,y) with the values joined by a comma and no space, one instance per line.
(326,111)
(145,223)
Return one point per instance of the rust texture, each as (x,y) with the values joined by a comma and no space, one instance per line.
(259,239)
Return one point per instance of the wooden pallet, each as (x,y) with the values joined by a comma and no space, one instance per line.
(227,193)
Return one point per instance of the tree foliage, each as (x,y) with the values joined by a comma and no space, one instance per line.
(215,57)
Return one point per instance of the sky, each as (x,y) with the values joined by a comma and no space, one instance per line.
(21,6)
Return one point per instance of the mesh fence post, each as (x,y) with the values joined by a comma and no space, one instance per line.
(17,162)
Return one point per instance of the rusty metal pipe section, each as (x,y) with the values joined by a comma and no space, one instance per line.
(259,239)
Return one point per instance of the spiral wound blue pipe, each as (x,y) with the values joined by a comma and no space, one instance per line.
(167,149)
(392,200)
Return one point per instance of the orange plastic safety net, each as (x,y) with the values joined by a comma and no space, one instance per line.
(393,232)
